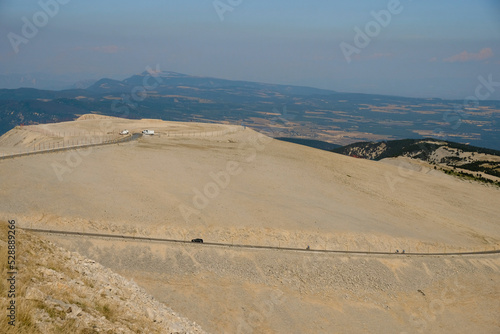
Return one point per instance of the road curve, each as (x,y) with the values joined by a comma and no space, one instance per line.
(124,237)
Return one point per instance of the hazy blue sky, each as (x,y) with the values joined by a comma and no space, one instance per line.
(427,47)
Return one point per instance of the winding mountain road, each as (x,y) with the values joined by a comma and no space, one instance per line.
(216,244)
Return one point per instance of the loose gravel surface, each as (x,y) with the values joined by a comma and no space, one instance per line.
(229,290)
(229,184)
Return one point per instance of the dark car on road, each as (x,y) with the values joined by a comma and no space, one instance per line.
(197,240)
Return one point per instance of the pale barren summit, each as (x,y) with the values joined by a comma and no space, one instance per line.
(177,184)
(230,184)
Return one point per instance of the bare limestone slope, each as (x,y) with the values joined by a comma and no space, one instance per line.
(58,291)
(229,184)
(262,291)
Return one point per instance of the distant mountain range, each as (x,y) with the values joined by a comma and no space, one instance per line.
(169,82)
(42,81)
(277,110)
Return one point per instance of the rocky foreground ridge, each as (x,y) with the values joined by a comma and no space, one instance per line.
(58,291)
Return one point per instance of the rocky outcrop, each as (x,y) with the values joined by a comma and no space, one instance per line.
(65,292)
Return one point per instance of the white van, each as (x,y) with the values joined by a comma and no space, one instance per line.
(148,132)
